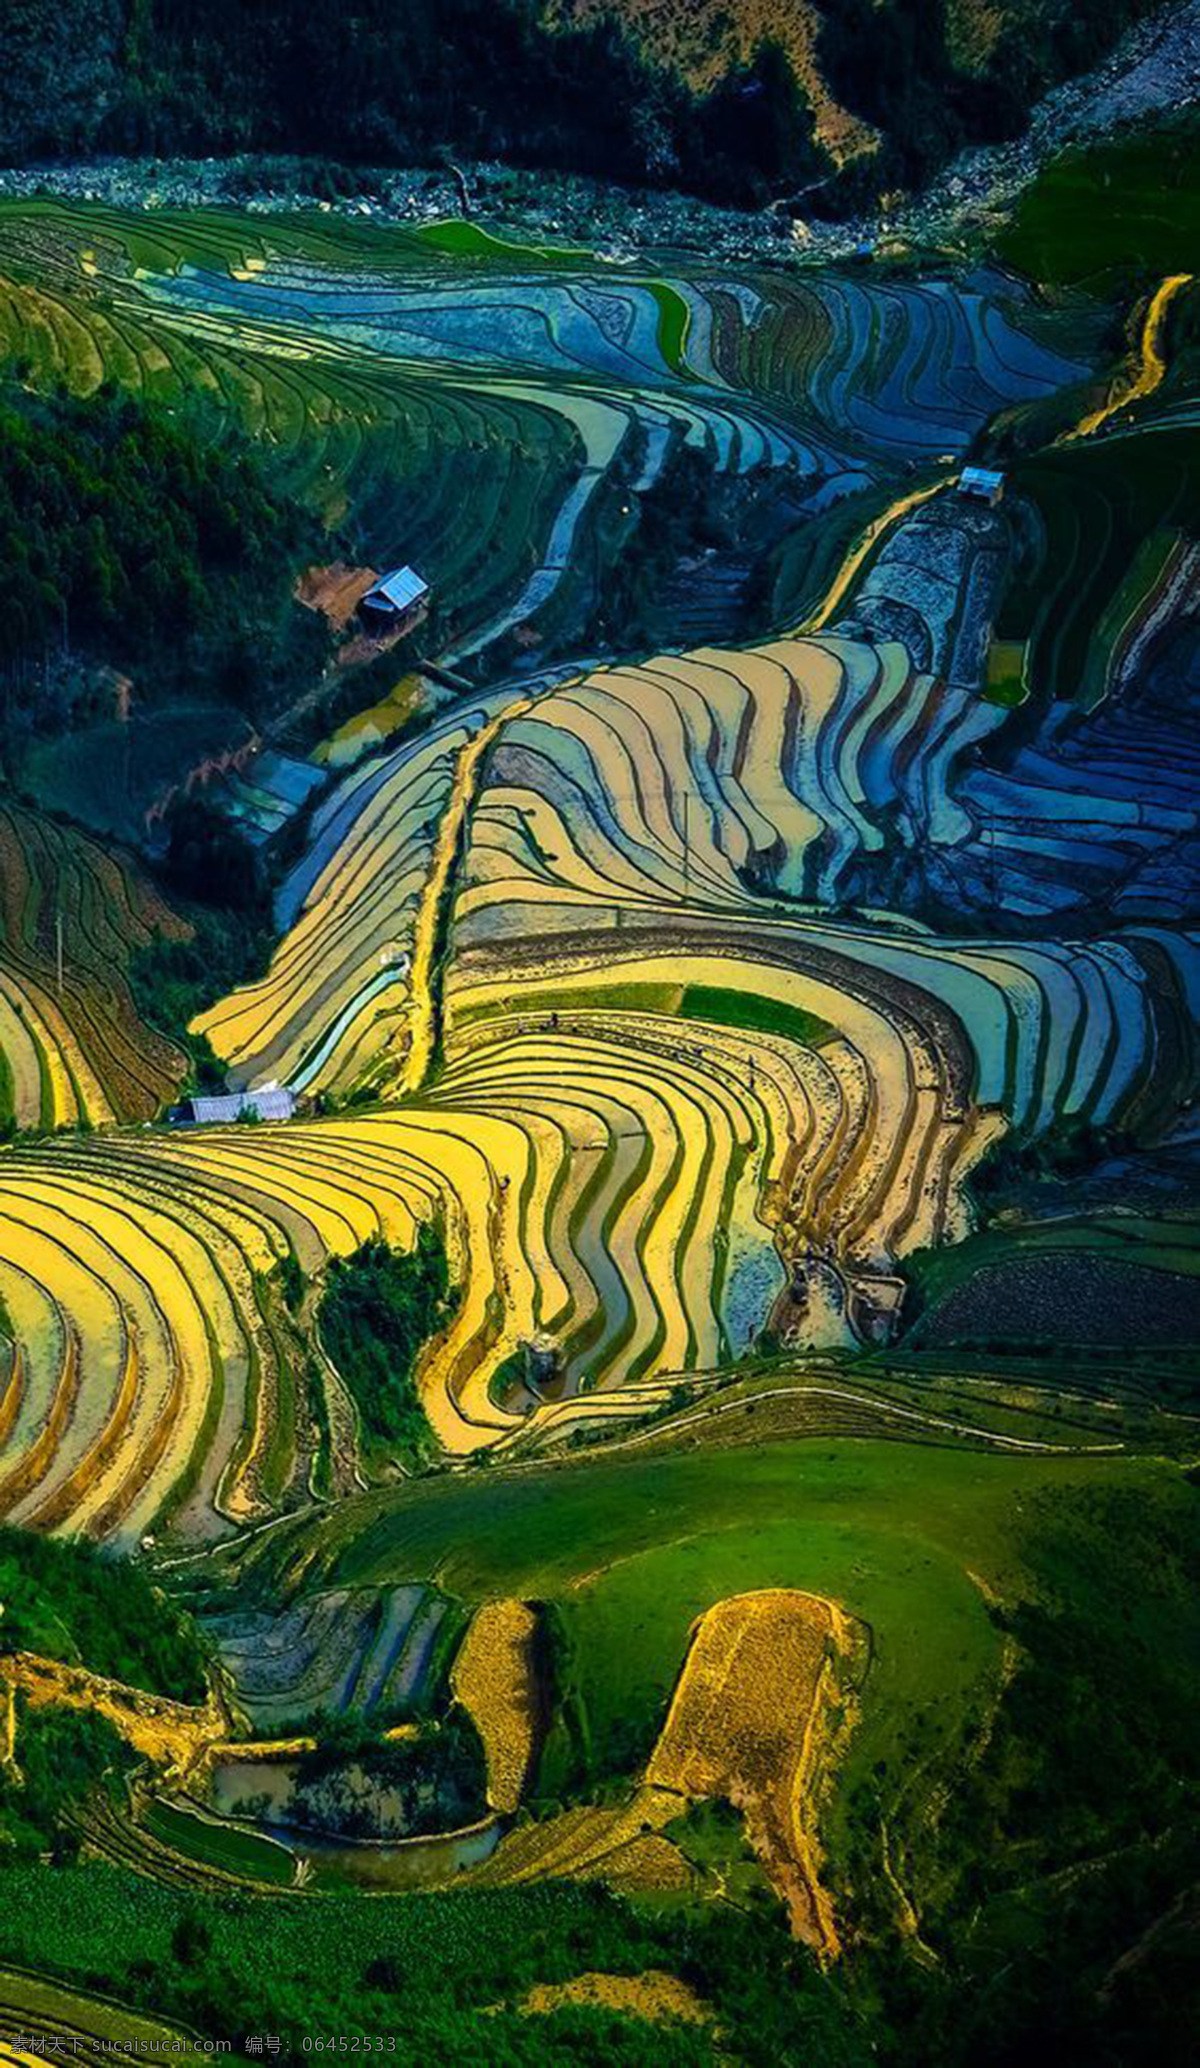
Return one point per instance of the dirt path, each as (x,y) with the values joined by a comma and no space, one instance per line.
(1146,372)
(335,590)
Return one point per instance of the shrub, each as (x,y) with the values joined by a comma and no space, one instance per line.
(378,1308)
(67,1601)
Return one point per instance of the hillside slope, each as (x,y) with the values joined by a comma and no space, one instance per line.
(741,102)
(700,42)
(893,87)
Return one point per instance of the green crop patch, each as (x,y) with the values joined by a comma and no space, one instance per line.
(467,240)
(594,998)
(222,1845)
(1119,1279)
(757,1015)
(1096,503)
(1125,208)
(674,318)
(70,2019)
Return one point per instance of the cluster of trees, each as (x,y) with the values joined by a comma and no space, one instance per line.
(891,64)
(65,1601)
(1066,1154)
(445,1974)
(391,84)
(386,85)
(171,981)
(126,534)
(378,1308)
(218,882)
(65,1757)
(360,1785)
(686,511)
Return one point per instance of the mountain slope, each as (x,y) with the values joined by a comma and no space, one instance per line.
(740,100)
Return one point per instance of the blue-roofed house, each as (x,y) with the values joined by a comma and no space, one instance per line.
(223,1109)
(396,602)
(984,483)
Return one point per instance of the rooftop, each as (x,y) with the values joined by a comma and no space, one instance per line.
(272,1103)
(399,590)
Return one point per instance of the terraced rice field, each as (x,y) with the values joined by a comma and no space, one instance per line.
(499,925)
(620,831)
(622,970)
(1113,1277)
(75,1052)
(153,1357)
(369,1650)
(683,996)
(467,399)
(351,906)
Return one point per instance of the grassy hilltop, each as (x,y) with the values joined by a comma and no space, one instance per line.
(1031,1631)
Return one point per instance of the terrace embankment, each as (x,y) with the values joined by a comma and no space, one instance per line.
(437,900)
(879,528)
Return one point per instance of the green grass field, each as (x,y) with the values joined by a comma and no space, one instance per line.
(906,1536)
(673,320)
(1129,206)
